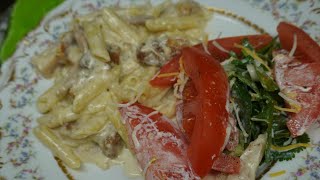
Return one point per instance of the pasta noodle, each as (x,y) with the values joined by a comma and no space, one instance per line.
(58,117)
(170,23)
(93,34)
(63,152)
(127,33)
(52,96)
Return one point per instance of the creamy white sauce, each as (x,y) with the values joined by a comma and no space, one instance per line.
(129,163)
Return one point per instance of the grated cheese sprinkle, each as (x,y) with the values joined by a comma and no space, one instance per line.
(205,44)
(236,110)
(286,109)
(296,105)
(148,165)
(168,74)
(279,173)
(181,82)
(254,55)
(294,46)
(217,45)
(290,147)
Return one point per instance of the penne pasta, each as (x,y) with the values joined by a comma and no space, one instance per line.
(173,23)
(87,125)
(90,91)
(109,36)
(52,96)
(99,103)
(98,83)
(112,111)
(58,117)
(60,150)
(92,32)
(126,31)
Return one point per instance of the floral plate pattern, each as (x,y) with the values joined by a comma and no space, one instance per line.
(22,156)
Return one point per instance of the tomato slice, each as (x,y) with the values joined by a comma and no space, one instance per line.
(227,164)
(171,67)
(257,41)
(300,82)
(188,108)
(159,146)
(211,116)
(224,163)
(307,49)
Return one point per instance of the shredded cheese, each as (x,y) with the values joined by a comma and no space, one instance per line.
(181,65)
(236,110)
(254,55)
(279,173)
(217,45)
(148,165)
(134,136)
(294,46)
(286,109)
(205,44)
(149,115)
(296,105)
(181,82)
(252,72)
(126,105)
(232,81)
(290,147)
(168,74)
(259,120)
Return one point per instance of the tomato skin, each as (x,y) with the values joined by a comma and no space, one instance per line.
(159,146)
(171,67)
(301,81)
(211,84)
(227,164)
(257,41)
(307,49)
(188,108)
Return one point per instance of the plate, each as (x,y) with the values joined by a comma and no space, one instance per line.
(22,156)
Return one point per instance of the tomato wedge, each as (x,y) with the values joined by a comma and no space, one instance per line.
(159,146)
(227,164)
(300,82)
(211,116)
(188,108)
(171,67)
(257,41)
(307,49)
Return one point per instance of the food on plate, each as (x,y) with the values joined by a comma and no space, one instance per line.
(218,48)
(103,63)
(146,79)
(157,142)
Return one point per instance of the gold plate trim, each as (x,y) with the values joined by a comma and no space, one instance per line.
(237,17)
(63,168)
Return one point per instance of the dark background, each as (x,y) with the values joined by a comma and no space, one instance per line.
(5,11)
(4,4)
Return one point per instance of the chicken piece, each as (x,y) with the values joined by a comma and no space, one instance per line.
(47,61)
(109,141)
(114,52)
(156,51)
